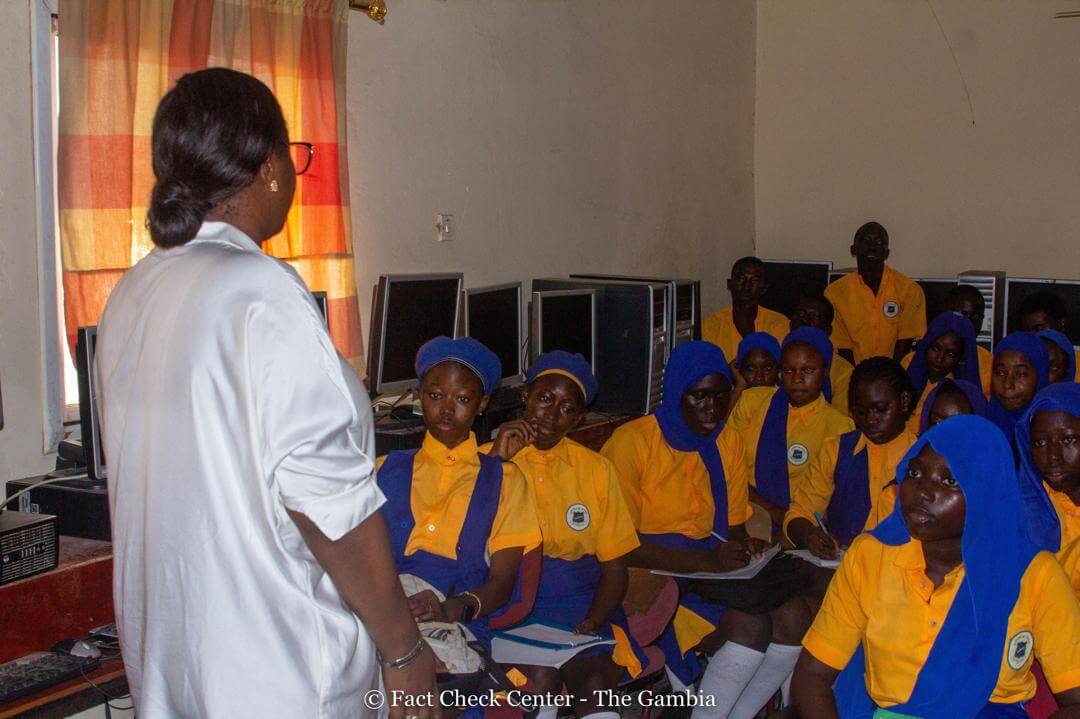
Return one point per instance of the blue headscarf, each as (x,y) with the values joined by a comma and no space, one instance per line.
(688,364)
(966,369)
(1032,347)
(1044,526)
(771,462)
(758,341)
(973,392)
(1066,346)
(960,673)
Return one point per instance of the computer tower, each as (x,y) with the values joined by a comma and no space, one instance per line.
(684,304)
(29,545)
(631,341)
(991,284)
(80,504)
(790,280)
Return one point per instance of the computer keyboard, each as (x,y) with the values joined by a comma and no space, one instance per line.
(40,670)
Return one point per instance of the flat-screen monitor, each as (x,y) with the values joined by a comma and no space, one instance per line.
(790,280)
(936,290)
(409,310)
(321,303)
(89,422)
(493,316)
(1018,288)
(564,320)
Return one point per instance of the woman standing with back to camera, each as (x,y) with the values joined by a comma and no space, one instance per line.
(252,570)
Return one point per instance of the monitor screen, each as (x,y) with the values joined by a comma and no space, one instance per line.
(493,316)
(416,310)
(937,291)
(1018,289)
(566,322)
(789,281)
(93,451)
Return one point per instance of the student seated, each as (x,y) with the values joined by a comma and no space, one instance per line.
(758,362)
(747,285)
(848,483)
(784,427)
(947,350)
(1062,366)
(685,482)
(879,312)
(1048,441)
(449,507)
(1043,310)
(969,302)
(1021,369)
(949,398)
(940,610)
(586,527)
(816,311)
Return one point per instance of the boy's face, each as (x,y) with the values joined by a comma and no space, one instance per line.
(878,411)
(871,250)
(554,406)
(747,284)
(810,313)
(1040,320)
(451,396)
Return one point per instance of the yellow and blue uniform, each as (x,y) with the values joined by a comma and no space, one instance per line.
(986,368)
(869,502)
(807,429)
(584,521)
(719,328)
(869,325)
(1069,558)
(840,376)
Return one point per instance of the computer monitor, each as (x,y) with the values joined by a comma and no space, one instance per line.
(93,451)
(791,280)
(936,290)
(493,316)
(409,310)
(1017,290)
(321,302)
(564,320)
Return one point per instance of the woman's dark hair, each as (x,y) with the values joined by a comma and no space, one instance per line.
(884,369)
(211,133)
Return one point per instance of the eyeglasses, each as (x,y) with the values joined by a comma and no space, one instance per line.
(302,153)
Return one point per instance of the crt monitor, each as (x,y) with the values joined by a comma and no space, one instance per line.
(1017,289)
(790,280)
(409,310)
(89,422)
(493,316)
(564,320)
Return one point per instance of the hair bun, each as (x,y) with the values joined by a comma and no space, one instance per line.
(175,213)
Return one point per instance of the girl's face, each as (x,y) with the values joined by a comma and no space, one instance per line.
(1055,449)
(759,368)
(1014,381)
(948,405)
(705,405)
(553,406)
(802,373)
(1059,362)
(878,411)
(931,499)
(451,396)
(944,354)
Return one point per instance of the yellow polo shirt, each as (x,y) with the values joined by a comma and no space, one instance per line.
(720,329)
(1069,557)
(1068,513)
(986,368)
(868,324)
(882,598)
(668,491)
(840,378)
(578,500)
(815,491)
(807,426)
(442,486)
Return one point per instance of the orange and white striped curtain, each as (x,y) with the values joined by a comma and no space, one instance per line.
(119,57)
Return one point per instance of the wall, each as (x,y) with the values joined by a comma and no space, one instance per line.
(861,114)
(21,367)
(563,136)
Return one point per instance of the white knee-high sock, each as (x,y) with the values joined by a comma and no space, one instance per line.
(785,690)
(728,673)
(779,661)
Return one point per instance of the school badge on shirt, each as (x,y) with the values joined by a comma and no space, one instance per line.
(577,517)
(797,454)
(891,309)
(1020,649)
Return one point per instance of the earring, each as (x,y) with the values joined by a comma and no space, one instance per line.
(273,185)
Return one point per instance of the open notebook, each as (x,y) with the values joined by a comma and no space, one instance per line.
(541,644)
(748,572)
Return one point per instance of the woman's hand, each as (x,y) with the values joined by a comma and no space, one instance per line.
(589,626)
(512,438)
(415,680)
(426,607)
(725,557)
(821,544)
(756,547)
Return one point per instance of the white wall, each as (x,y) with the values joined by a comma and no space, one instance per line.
(861,114)
(602,136)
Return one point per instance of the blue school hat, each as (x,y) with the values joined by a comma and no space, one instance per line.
(572,366)
(758,341)
(467,351)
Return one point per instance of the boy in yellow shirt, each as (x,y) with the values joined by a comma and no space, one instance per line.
(879,312)
(816,311)
(940,610)
(747,285)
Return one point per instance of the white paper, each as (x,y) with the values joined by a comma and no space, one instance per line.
(748,572)
(564,645)
(807,556)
